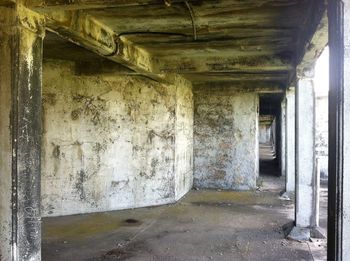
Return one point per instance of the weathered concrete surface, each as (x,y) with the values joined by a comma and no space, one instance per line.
(110,142)
(283,137)
(20,134)
(290,139)
(346,141)
(321,139)
(5,142)
(265,128)
(339,126)
(264,133)
(225,138)
(205,225)
(305,154)
(183,139)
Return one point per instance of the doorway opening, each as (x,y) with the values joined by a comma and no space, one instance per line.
(270,142)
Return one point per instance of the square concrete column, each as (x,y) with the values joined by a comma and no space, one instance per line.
(305,153)
(290,140)
(306,219)
(21,33)
(283,137)
(338,236)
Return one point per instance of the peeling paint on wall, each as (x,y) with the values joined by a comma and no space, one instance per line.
(110,142)
(225,138)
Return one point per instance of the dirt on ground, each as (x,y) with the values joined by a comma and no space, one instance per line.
(205,225)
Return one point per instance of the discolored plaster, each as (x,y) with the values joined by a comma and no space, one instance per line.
(225,138)
(113,142)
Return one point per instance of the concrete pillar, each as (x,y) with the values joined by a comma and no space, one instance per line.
(21,34)
(283,137)
(290,140)
(305,153)
(273,137)
(338,236)
(277,135)
(306,218)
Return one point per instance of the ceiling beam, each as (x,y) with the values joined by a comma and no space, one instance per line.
(177,21)
(235,36)
(238,77)
(314,47)
(85,31)
(82,29)
(223,6)
(181,42)
(7,2)
(223,62)
(94,4)
(203,62)
(263,87)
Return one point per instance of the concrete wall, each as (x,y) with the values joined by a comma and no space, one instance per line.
(265,133)
(265,128)
(113,142)
(226,138)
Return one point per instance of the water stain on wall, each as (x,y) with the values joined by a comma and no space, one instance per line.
(113,141)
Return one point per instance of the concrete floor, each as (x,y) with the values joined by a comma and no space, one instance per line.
(205,225)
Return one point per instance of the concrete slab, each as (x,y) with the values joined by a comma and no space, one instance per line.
(205,225)
(318,249)
(299,234)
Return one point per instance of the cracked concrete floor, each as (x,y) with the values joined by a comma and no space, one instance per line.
(205,225)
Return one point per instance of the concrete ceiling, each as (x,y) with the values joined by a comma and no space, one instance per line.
(249,41)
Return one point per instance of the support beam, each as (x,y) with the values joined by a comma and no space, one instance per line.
(261,87)
(314,37)
(224,62)
(283,137)
(305,194)
(93,4)
(239,77)
(21,33)
(290,140)
(339,132)
(84,30)
(305,153)
(96,4)
(242,36)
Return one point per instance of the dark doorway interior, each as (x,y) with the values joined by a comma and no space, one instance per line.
(269,135)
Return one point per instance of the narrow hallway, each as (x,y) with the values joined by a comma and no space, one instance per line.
(269,176)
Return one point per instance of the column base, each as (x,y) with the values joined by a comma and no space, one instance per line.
(299,234)
(285,195)
(296,233)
